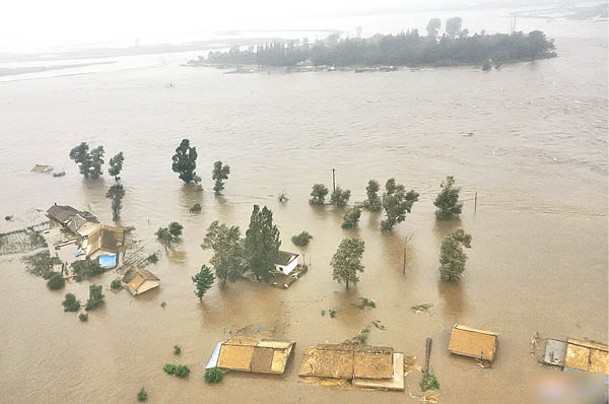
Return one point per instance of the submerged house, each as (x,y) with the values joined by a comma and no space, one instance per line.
(104,243)
(70,218)
(140,281)
(253,355)
(577,355)
(286,262)
(479,344)
(365,366)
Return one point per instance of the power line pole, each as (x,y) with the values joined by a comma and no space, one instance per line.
(333,180)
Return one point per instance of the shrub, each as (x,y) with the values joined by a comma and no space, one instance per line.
(177,350)
(56,281)
(84,317)
(142,395)
(351,218)
(429,382)
(86,269)
(116,284)
(318,194)
(213,375)
(96,298)
(40,264)
(153,258)
(340,197)
(180,371)
(302,239)
(71,304)
(196,208)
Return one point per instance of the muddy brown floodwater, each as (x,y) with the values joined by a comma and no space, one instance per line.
(530,139)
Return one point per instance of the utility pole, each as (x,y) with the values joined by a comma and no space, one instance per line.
(475,203)
(333,180)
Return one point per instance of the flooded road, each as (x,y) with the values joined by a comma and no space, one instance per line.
(530,139)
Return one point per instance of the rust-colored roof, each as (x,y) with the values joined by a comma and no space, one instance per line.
(138,278)
(249,354)
(106,238)
(474,343)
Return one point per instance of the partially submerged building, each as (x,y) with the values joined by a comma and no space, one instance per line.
(479,344)
(363,366)
(140,280)
(286,262)
(103,244)
(70,218)
(253,355)
(577,355)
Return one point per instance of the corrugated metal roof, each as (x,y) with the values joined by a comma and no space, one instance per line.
(474,343)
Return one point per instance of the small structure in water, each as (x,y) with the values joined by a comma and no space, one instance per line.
(472,342)
(104,243)
(70,218)
(286,262)
(253,355)
(577,355)
(365,366)
(140,280)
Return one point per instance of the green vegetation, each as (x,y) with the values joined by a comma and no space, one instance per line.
(169,235)
(116,166)
(261,243)
(41,264)
(219,174)
(229,254)
(346,262)
(177,350)
(421,308)
(213,375)
(302,239)
(452,256)
(116,284)
(71,304)
(283,198)
(89,163)
(185,162)
(152,258)
(429,382)
(318,194)
(83,317)
(142,395)
(56,281)
(116,193)
(203,281)
(351,218)
(447,200)
(332,313)
(196,208)
(86,269)
(8,218)
(373,203)
(36,240)
(396,202)
(340,197)
(363,335)
(365,302)
(96,298)
(180,371)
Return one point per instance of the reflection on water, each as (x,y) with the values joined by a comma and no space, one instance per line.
(454,300)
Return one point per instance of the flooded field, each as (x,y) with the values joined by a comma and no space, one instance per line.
(530,139)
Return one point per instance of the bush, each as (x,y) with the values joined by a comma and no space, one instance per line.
(177,350)
(196,208)
(429,382)
(302,239)
(351,218)
(340,197)
(71,304)
(86,269)
(96,298)
(40,264)
(153,258)
(84,317)
(142,395)
(180,371)
(56,281)
(116,284)
(213,375)
(318,194)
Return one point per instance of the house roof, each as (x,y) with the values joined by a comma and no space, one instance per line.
(61,213)
(106,238)
(284,258)
(138,278)
(474,343)
(586,355)
(348,361)
(247,354)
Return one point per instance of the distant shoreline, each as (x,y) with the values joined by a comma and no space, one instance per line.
(38,69)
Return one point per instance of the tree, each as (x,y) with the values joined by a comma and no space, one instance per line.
(351,218)
(96,298)
(228,259)
(56,281)
(447,200)
(142,395)
(302,239)
(97,161)
(453,27)
(82,158)
(340,197)
(185,162)
(373,203)
(396,202)
(116,165)
(318,194)
(169,235)
(70,304)
(452,256)
(86,269)
(433,26)
(261,243)
(116,193)
(346,262)
(203,281)
(219,174)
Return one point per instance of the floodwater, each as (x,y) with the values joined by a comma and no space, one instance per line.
(530,139)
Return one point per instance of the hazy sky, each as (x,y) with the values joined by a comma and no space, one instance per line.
(27,25)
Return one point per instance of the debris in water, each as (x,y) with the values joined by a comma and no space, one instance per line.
(377,324)
(421,308)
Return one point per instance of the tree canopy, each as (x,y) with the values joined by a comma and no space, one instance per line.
(169,235)
(351,218)
(373,203)
(346,262)
(203,281)
(261,243)
(116,193)
(396,202)
(447,200)
(318,194)
(116,165)
(228,260)
(452,256)
(185,162)
(219,174)
(89,162)
(340,197)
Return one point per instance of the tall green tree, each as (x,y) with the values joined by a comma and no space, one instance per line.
(203,281)
(340,197)
(116,165)
(447,200)
(226,243)
(81,156)
(185,162)
(219,174)
(373,203)
(351,218)
(97,161)
(318,194)
(452,256)
(169,235)
(96,298)
(347,261)
(433,27)
(262,243)
(396,202)
(116,193)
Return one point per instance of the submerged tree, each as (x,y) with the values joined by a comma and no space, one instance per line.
(97,161)
(89,162)
(447,200)
(351,218)
(346,262)
(96,298)
(373,203)
(340,197)
(169,235)
(302,239)
(219,174)
(396,202)
(116,193)
(71,304)
(185,162)
(262,243)
(228,259)
(318,194)
(203,281)
(452,256)
(116,165)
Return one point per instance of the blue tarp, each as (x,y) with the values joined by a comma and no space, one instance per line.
(107,261)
